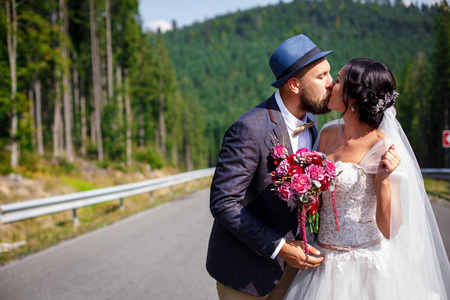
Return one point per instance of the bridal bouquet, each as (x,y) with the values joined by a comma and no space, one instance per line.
(300,177)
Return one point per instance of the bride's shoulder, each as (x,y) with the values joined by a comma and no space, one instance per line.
(329,134)
(379,138)
(331,130)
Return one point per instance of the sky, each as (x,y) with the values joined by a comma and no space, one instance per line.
(161,13)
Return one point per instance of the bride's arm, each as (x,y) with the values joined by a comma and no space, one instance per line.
(385,208)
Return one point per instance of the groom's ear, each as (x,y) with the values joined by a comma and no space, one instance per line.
(294,85)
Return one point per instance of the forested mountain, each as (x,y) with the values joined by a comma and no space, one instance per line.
(82,79)
(224,61)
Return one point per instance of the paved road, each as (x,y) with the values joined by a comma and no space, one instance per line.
(157,254)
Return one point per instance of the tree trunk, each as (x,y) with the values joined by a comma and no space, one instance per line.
(119,96)
(96,73)
(83,120)
(11,24)
(92,122)
(109,54)
(76,88)
(174,153)
(187,146)
(141,128)
(128,116)
(32,118)
(57,118)
(162,123)
(64,27)
(189,166)
(39,136)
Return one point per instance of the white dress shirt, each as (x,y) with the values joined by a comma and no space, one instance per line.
(304,138)
(301,140)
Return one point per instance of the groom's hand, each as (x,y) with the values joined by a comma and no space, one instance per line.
(294,255)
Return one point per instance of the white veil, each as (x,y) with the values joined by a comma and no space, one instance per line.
(417,250)
(417,262)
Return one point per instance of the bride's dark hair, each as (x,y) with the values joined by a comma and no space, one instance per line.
(372,85)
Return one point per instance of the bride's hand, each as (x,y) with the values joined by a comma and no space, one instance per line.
(389,162)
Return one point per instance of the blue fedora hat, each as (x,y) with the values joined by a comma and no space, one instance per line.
(291,56)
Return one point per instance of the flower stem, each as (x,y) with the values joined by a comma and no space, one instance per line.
(302,227)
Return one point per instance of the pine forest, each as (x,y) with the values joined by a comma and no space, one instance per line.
(83,79)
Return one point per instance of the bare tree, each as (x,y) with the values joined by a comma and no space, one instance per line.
(64,32)
(162,122)
(32,118)
(128,115)
(119,95)
(11,23)
(57,122)
(96,73)
(38,99)
(109,54)
(83,120)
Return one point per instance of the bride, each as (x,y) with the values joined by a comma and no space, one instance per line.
(388,245)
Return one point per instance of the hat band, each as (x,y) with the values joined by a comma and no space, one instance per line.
(300,62)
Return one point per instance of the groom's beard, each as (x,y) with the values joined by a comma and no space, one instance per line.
(317,105)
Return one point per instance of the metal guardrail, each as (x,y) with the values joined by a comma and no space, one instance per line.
(14,212)
(436,173)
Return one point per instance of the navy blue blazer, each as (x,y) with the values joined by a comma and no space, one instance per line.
(249,218)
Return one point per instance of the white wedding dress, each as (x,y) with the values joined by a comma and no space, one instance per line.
(411,265)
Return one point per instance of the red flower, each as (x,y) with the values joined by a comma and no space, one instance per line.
(295,169)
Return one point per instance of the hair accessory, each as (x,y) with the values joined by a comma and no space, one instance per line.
(388,99)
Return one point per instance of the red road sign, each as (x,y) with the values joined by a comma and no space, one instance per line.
(446,138)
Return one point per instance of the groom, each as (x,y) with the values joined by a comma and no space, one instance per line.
(253,235)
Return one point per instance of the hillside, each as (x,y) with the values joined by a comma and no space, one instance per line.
(223,62)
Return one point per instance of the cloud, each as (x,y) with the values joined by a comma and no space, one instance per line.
(161,24)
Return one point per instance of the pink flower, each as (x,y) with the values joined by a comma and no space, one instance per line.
(315,172)
(284,191)
(300,183)
(283,168)
(330,168)
(302,152)
(279,152)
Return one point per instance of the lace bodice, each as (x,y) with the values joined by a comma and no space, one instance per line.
(356,205)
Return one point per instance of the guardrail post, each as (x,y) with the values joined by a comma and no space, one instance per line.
(171,190)
(151,196)
(121,204)
(76,222)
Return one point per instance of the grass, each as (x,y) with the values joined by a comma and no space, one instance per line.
(78,184)
(46,231)
(438,188)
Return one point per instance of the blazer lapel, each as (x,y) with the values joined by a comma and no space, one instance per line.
(313,129)
(279,126)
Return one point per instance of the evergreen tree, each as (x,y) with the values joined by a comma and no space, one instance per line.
(439,114)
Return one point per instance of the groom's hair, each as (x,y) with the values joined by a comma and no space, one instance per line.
(372,85)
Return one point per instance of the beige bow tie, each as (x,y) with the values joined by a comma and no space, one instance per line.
(303,127)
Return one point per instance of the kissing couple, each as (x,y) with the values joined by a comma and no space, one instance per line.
(387,244)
